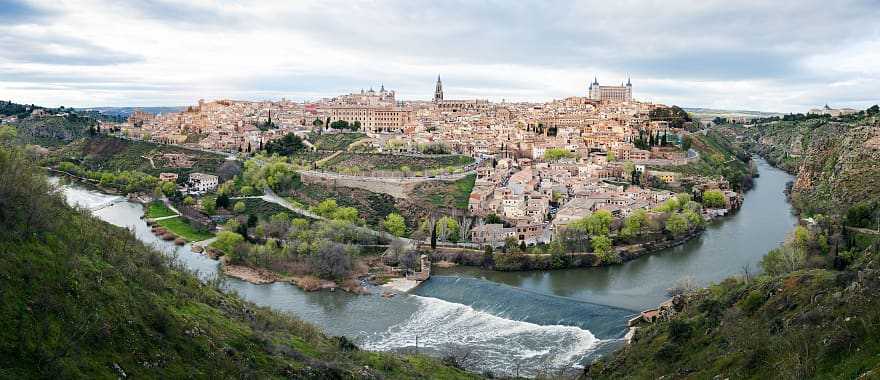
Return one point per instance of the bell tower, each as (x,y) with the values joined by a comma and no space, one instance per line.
(438,90)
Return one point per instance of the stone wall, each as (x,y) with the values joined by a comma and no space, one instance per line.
(395,187)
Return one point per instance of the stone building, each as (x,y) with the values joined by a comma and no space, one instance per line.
(622,93)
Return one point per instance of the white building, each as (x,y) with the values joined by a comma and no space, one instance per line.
(201,183)
(622,93)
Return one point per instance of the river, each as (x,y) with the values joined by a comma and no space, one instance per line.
(507,323)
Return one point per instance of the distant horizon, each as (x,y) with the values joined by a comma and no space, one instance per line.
(195,102)
(710,54)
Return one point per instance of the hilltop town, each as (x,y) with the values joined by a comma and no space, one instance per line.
(538,167)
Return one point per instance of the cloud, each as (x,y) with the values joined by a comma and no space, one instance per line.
(14,12)
(29,45)
(778,56)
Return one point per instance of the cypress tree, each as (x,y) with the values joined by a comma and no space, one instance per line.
(434,237)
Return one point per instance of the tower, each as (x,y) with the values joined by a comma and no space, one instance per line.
(629,89)
(594,89)
(438,91)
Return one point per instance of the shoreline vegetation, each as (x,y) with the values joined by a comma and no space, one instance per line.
(263,238)
(812,309)
(85,299)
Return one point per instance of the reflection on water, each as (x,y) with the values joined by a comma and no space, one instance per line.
(723,250)
(529,320)
(503,339)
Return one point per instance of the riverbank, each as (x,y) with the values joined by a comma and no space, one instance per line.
(309,283)
(562,317)
(530,261)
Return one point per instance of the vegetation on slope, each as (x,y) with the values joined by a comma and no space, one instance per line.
(84,299)
(814,311)
(366,162)
(718,157)
(335,141)
(101,153)
(835,158)
(445,195)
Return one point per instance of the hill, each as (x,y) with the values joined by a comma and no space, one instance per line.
(834,158)
(85,299)
(814,309)
(711,113)
(125,112)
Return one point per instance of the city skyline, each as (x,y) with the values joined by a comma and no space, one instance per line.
(707,54)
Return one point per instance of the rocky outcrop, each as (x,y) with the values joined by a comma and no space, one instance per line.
(840,168)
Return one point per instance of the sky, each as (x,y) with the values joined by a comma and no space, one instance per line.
(779,56)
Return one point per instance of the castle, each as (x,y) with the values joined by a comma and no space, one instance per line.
(622,93)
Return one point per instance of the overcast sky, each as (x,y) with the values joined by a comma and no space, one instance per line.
(785,56)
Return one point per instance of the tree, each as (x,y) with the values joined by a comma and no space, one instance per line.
(285,146)
(339,124)
(448,229)
(332,261)
(632,225)
(395,224)
(694,219)
(223,201)
(598,223)
(511,244)
(556,154)
(209,205)
(189,201)
(683,199)
(168,188)
(226,241)
(603,247)
(628,169)
(325,208)
(492,219)
(677,224)
(713,199)
(239,207)
(347,214)
(783,260)
(7,134)
(873,110)
(557,254)
(228,170)
(686,143)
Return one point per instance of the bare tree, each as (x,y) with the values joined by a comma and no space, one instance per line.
(466,223)
(684,285)
(332,261)
(747,273)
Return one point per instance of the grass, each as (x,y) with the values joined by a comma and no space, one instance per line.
(112,154)
(804,323)
(158,210)
(183,229)
(393,162)
(335,141)
(85,299)
(446,194)
(263,210)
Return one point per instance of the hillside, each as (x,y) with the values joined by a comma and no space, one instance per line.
(85,299)
(835,159)
(814,309)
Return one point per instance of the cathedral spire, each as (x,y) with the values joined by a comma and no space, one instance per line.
(438,90)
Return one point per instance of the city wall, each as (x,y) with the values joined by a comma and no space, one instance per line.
(395,187)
